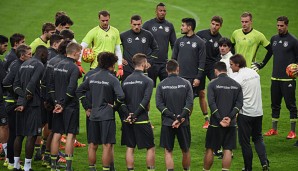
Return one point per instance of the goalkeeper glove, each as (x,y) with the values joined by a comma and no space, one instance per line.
(81,69)
(120,71)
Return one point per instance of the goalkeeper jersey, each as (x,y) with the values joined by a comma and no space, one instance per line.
(248,44)
(38,41)
(102,40)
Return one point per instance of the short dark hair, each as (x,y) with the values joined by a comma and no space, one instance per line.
(106,59)
(62,47)
(41,52)
(247,14)
(67,34)
(218,19)
(135,17)
(22,49)
(59,13)
(55,38)
(15,38)
(220,66)
(172,65)
(190,22)
(138,59)
(3,39)
(160,5)
(238,59)
(63,20)
(103,13)
(46,27)
(284,19)
(225,41)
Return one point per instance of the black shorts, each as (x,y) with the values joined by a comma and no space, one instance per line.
(50,119)
(44,115)
(137,134)
(67,121)
(217,137)
(167,137)
(196,90)
(102,132)
(28,122)
(157,70)
(209,73)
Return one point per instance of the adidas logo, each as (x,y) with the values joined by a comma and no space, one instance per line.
(280,41)
(137,38)
(211,40)
(188,42)
(290,85)
(160,27)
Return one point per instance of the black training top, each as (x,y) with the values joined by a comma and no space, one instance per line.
(8,81)
(174,96)
(212,47)
(225,99)
(45,80)
(63,83)
(285,52)
(133,43)
(106,90)
(11,56)
(190,52)
(138,90)
(27,82)
(164,34)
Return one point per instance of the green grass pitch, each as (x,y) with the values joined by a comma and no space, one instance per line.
(27,17)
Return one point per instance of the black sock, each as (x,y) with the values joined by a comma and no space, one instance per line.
(54,161)
(69,158)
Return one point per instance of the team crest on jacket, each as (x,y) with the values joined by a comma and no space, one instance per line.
(215,44)
(181,44)
(143,39)
(129,40)
(154,29)
(274,43)
(167,29)
(286,43)
(194,44)
(3,120)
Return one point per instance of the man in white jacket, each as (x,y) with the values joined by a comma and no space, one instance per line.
(250,116)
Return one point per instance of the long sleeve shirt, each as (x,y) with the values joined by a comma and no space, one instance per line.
(11,56)
(138,90)
(250,83)
(9,80)
(133,43)
(225,99)
(106,90)
(212,50)
(285,52)
(64,82)
(45,80)
(27,82)
(164,34)
(174,96)
(190,52)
